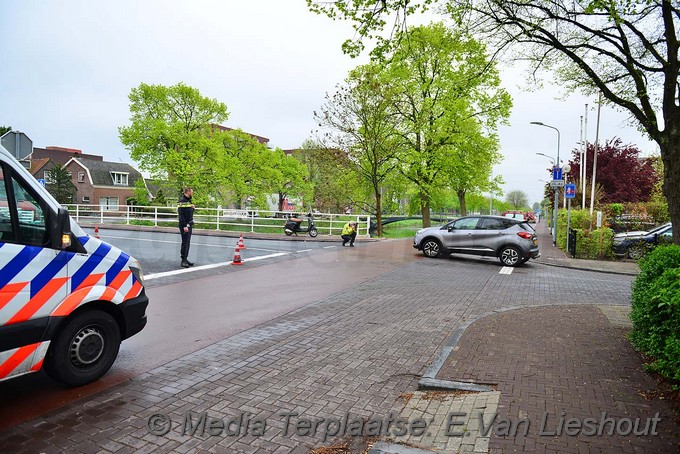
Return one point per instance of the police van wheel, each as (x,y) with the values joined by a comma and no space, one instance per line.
(84,348)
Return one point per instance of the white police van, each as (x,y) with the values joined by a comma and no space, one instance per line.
(67,299)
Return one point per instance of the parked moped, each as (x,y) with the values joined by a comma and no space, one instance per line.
(293,226)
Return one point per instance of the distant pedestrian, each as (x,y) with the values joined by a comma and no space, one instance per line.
(185,211)
(349,233)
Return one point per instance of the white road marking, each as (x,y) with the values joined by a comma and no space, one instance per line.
(506,270)
(303,250)
(149,277)
(193,243)
(329,247)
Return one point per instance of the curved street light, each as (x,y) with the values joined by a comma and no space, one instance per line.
(551,159)
(555,163)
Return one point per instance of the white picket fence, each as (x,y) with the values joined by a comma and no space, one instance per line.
(213,218)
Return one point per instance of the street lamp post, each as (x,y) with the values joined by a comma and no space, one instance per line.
(549,157)
(557,163)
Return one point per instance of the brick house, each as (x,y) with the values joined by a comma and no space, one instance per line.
(61,155)
(40,169)
(103,183)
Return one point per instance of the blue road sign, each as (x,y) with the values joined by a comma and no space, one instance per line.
(570,191)
(557,173)
(41,181)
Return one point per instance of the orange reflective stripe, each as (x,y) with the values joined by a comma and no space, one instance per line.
(115,285)
(71,302)
(134,291)
(38,300)
(17,358)
(37,366)
(9,291)
(89,281)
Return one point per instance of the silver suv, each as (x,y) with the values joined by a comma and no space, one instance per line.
(513,241)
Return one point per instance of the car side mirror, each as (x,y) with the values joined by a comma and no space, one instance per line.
(449,229)
(61,230)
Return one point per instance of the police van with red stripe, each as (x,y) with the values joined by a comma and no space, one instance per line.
(67,299)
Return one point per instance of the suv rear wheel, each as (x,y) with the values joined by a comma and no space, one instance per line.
(510,256)
(432,248)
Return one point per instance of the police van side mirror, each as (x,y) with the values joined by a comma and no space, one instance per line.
(61,230)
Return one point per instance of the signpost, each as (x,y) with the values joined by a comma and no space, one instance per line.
(18,143)
(557,173)
(569,193)
(556,183)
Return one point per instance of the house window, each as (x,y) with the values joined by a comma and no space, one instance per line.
(86,199)
(108,203)
(119,178)
(81,177)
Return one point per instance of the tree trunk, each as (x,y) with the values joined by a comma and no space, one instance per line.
(378,212)
(670,154)
(461,200)
(425,209)
(280,201)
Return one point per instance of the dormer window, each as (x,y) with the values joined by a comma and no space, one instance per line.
(119,178)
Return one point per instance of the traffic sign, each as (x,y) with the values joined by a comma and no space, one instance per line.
(41,181)
(557,173)
(17,143)
(570,191)
(557,183)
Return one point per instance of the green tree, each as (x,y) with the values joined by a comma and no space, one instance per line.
(518,199)
(172,136)
(160,199)
(4,130)
(58,183)
(624,50)
(332,175)
(447,99)
(290,178)
(249,171)
(361,120)
(141,192)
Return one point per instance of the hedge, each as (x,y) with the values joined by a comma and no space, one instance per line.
(656,310)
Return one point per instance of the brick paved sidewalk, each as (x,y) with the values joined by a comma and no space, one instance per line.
(358,353)
(563,362)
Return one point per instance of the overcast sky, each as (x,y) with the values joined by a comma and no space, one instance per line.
(68,67)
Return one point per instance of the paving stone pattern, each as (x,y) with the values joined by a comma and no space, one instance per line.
(354,353)
(563,362)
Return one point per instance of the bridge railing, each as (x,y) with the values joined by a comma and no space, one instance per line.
(254,221)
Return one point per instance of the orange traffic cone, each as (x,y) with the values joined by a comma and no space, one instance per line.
(241,244)
(96,231)
(237,257)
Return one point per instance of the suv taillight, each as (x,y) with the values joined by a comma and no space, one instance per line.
(525,235)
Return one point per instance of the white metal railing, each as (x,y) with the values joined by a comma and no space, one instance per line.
(213,218)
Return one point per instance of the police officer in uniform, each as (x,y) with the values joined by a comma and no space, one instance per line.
(185,210)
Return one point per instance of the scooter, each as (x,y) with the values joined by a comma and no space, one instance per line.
(293,226)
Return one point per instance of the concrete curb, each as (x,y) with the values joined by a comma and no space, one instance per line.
(592,270)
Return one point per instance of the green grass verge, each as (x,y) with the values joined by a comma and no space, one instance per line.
(402,229)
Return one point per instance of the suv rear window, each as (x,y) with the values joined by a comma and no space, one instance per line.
(526,226)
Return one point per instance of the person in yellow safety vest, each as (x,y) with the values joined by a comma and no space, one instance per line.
(185,211)
(349,233)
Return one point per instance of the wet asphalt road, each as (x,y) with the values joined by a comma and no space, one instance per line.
(159,252)
(195,308)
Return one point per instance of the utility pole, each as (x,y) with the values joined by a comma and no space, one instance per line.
(597,135)
(581,169)
(585,159)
